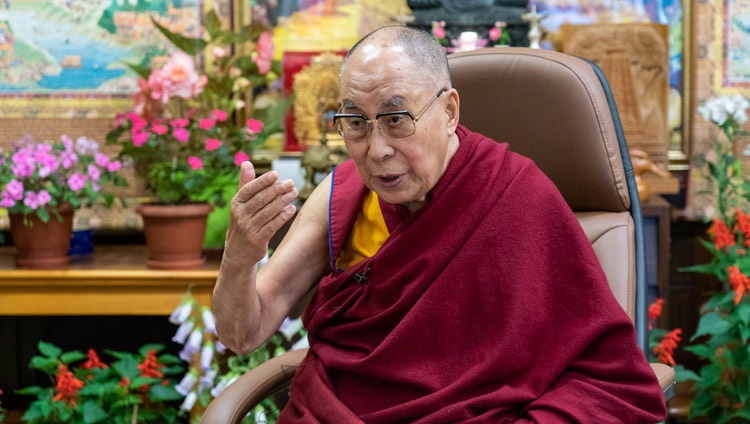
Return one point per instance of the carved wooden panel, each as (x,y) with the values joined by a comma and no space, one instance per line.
(635,59)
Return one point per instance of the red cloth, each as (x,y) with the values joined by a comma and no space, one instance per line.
(487,305)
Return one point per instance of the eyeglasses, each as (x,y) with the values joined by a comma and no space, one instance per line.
(396,124)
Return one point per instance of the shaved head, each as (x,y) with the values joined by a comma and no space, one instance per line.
(416,44)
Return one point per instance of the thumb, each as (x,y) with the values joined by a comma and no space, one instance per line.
(247,172)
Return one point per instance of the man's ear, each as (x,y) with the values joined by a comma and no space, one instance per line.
(452,110)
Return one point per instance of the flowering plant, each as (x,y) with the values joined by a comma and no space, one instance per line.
(499,35)
(134,388)
(722,386)
(217,369)
(181,134)
(37,175)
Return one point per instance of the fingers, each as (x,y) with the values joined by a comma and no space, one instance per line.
(260,207)
(247,173)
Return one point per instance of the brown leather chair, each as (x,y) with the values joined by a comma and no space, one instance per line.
(558,110)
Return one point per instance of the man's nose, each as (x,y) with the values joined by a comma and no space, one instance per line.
(379,145)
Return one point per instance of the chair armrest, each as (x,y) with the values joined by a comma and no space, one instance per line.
(665,375)
(251,388)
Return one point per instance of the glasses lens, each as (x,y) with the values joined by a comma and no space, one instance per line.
(397,125)
(352,127)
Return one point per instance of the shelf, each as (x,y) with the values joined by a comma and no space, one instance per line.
(114,280)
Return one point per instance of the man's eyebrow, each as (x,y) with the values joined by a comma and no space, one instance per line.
(393,101)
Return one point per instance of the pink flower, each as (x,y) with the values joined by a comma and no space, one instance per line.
(101,160)
(114,166)
(181,134)
(94,172)
(43,197)
(438,29)
(195,162)
(179,123)
(265,52)
(14,189)
(212,144)
(240,157)
(179,77)
(76,181)
(160,129)
(495,33)
(254,125)
(219,115)
(139,138)
(207,123)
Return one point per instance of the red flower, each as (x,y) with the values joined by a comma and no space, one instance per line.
(739,282)
(666,348)
(150,366)
(743,224)
(67,386)
(654,312)
(93,361)
(722,236)
(124,382)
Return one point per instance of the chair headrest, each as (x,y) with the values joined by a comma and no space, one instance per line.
(552,108)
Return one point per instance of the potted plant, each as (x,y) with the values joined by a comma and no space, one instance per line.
(42,184)
(184,137)
(722,385)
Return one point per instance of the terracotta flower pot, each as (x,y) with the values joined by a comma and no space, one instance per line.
(175,234)
(42,245)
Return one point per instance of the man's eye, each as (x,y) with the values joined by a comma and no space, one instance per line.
(356,122)
(394,120)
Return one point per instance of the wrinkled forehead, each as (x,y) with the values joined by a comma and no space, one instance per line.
(382,76)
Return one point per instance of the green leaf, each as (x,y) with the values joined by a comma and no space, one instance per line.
(47,365)
(29,391)
(684,374)
(48,349)
(92,413)
(712,323)
(163,393)
(212,24)
(127,367)
(743,311)
(191,46)
(72,356)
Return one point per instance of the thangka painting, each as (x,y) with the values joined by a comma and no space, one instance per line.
(734,47)
(68,58)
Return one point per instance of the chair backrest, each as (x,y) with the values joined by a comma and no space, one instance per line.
(557,110)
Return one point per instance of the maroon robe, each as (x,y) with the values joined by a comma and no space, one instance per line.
(487,305)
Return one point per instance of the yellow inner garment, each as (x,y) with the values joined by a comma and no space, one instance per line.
(367,235)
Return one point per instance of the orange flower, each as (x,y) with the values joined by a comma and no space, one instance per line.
(722,236)
(67,386)
(654,312)
(743,224)
(739,282)
(666,348)
(150,366)
(93,361)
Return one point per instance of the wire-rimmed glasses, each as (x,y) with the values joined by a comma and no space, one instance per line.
(396,124)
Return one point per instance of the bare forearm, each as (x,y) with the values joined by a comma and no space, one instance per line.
(236,304)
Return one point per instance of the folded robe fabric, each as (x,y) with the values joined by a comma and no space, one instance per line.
(486,305)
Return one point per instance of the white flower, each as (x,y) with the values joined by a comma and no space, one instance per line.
(207,355)
(301,344)
(207,379)
(209,323)
(189,401)
(192,346)
(183,331)
(224,382)
(181,313)
(290,327)
(186,384)
(719,109)
(220,348)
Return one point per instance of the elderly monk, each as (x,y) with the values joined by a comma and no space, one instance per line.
(444,292)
